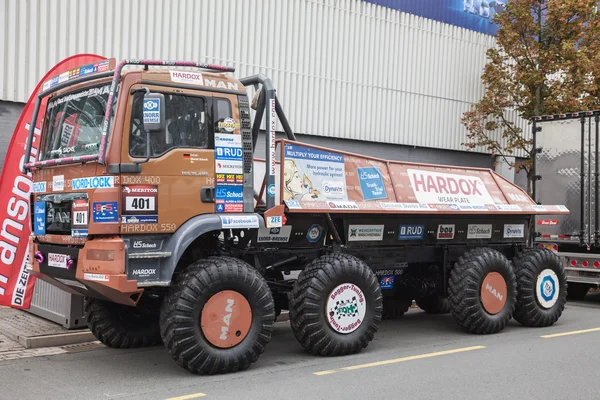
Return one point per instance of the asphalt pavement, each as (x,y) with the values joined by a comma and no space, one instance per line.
(418,356)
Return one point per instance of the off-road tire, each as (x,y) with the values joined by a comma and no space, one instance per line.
(528,264)
(577,291)
(434,304)
(464,289)
(394,308)
(308,301)
(121,326)
(180,319)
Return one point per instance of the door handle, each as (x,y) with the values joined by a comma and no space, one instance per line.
(207,194)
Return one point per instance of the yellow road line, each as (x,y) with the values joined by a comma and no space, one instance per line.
(187,396)
(398,360)
(570,333)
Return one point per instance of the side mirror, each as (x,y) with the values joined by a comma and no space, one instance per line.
(154,112)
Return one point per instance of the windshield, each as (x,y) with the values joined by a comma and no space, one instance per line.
(75,123)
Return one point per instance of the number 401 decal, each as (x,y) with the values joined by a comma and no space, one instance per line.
(140,204)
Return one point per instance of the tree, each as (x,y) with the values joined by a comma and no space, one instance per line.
(546,61)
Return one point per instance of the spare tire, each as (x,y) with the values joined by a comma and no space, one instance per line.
(121,326)
(482,291)
(541,287)
(335,305)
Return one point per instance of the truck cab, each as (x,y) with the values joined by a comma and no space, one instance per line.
(106,206)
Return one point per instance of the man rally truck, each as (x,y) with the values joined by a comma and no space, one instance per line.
(149,201)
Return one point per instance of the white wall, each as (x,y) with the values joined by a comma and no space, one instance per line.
(343,68)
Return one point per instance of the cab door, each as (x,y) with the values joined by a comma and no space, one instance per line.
(177,181)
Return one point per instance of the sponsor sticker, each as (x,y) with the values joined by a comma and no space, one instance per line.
(228,124)
(144,244)
(441,188)
(271,190)
(365,233)
(293,204)
(274,235)
(229,198)
(58,183)
(139,219)
(445,231)
(151,112)
(475,231)
(275,221)
(105,212)
(96,182)
(239,221)
(144,273)
(371,183)
(342,205)
(562,208)
(95,277)
(386,282)
(539,208)
(313,174)
(229,153)
(140,199)
(314,233)
(57,260)
(39,217)
(508,207)
(228,167)
(187,77)
(411,232)
(79,233)
(547,222)
(346,308)
(514,231)
(79,218)
(39,187)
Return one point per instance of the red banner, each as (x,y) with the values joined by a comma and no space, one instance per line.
(16,284)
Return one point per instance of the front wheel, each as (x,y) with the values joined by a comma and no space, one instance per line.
(121,326)
(335,305)
(218,316)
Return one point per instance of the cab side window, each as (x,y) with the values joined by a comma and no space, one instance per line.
(223,114)
(186,126)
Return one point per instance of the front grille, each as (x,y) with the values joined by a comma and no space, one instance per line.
(58,211)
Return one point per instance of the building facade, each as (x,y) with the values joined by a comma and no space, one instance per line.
(386,78)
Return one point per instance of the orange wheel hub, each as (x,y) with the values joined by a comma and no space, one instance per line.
(226,319)
(493,293)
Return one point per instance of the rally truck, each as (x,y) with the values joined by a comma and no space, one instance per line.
(149,200)
(566,169)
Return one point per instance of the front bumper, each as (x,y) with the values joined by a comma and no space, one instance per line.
(95,270)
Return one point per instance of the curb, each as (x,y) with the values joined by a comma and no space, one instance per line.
(62,339)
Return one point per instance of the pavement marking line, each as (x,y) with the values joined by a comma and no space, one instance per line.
(570,333)
(398,360)
(187,396)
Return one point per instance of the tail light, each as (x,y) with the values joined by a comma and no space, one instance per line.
(585,264)
(573,263)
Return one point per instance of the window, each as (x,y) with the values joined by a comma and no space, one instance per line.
(186,126)
(222,112)
(75,123)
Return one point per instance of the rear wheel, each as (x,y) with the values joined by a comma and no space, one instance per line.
(577,291)
(482,291)
(394,307)
(218,316)
(434,304)
(541,287)
(335,305)
(121,326)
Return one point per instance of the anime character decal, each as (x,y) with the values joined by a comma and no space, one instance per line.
(296,184)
